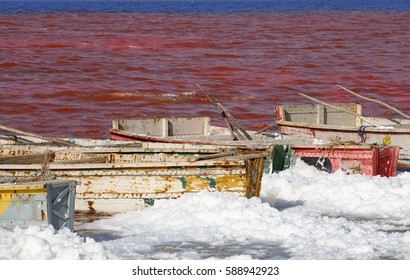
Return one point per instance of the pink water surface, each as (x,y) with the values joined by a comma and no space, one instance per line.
(70,74)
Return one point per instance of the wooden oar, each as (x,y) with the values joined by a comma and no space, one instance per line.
(50,139)
(337,108)
(376,101)
(263,129)
(235,129)
(228,124)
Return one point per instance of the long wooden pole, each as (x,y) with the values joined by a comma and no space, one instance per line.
(241,133)
(220,109)
(50,139)
(337,108)
(376,101)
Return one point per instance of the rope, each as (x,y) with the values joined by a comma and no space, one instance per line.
(45,173)
(362,134)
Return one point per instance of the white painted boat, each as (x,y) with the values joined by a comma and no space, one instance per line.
(119,177)
(330,125)
(182,130)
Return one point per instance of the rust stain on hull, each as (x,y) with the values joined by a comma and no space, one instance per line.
(130,180)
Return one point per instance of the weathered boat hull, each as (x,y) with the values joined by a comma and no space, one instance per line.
(132,178)
(333,126)
(122,135)
(178,130)
(118,188)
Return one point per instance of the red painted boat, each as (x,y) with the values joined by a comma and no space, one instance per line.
(352,159)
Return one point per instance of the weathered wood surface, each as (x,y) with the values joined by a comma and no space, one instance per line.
(51,139)
(338,108)
(301,120)
(232,123)
(116,180)
(376,101)
(191,126)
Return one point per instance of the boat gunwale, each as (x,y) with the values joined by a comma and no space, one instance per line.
(325,127)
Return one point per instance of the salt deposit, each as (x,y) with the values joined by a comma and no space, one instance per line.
(302,214)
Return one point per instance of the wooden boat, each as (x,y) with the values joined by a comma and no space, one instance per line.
(180,130)
(343,123)
(123,177)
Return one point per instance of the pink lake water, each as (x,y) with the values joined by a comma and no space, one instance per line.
(70,74)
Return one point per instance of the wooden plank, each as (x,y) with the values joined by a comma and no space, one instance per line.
(207,126)
(24,159)
(148,148)
(337,108)
(98,159)
(23,187)
(320,114)
(164,127)
(211,156)
(50,139)
(126,165)
(246,156)
(235,129)
(376,101)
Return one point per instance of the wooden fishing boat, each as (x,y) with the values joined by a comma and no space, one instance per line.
(189,130)
(343,123)
(180,130)
(120,177)
(365,159)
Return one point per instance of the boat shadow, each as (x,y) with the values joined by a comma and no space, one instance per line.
(281,204)
(99,235)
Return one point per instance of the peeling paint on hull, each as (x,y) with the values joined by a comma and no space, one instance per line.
(133,180)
